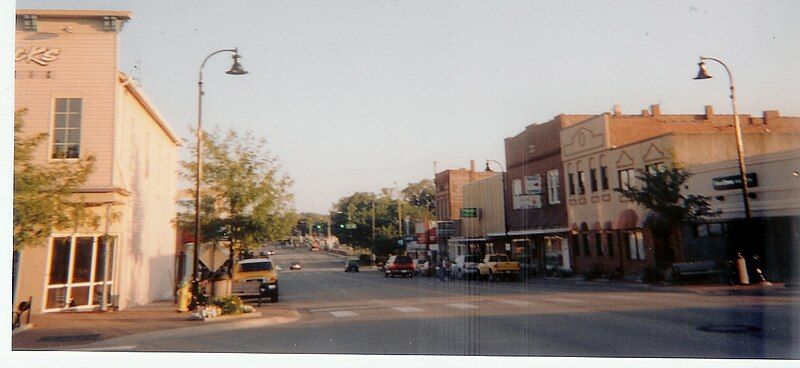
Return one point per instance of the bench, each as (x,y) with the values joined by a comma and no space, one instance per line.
(681,271)
(246,288)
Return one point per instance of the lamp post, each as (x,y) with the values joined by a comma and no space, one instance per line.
(503,181)
(702,73)
(236,69)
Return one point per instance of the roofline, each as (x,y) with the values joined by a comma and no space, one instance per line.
(121,14)
(140,97)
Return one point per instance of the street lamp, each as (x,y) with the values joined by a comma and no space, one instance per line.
(236,69)
(702,73)
(503,181)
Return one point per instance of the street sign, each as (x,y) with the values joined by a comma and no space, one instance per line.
(469,212)
(350,226)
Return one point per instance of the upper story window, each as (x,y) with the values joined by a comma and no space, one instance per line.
(656,167)
(516,187)
(604,177)
(67,128)
(593,179)
(626,178)
(581,182)
(552,186)
(571,178)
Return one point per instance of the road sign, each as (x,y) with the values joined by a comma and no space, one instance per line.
(350,226)
(469,212)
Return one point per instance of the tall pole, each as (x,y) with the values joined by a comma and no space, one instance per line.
(503,183)
(373,220)
(199,178)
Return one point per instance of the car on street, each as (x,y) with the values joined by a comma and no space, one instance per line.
(256,270)
(498,266)
(399,265)
(270,252)
(465,267)
(295,266)
(351,266)
(418,266)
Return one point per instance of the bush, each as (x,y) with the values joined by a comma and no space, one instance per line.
(229,305)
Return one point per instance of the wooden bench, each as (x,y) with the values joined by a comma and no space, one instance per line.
(247,288)
(681,271)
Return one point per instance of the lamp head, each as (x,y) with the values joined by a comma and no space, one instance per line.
(702,73)
(488,169)
(236,68)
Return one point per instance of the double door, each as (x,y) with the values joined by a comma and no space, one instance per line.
(79,274)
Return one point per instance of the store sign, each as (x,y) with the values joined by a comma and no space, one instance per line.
(469,212)
(525,202)
(37,55)
(734,182)
(533,184)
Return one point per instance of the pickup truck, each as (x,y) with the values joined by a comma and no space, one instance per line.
(258,271)
(498,266)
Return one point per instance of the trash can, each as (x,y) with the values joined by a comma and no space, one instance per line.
(221,286)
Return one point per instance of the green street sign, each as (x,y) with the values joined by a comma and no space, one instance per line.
(350,226)
(469,212)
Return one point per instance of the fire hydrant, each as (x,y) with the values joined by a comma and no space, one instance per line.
(184,297)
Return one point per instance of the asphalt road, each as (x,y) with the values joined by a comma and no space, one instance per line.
(366,313)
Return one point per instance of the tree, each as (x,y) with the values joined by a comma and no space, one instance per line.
(422,195)
(660,193)
(45,196)
(244,197)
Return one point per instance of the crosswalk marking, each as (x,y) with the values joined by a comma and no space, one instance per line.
(463,306)
(515,302)
(407,309)
(344,314)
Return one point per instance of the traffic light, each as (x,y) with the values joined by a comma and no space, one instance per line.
(341,226)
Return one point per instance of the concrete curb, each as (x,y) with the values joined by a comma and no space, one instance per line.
(204,328)
(22,328)
(226,318)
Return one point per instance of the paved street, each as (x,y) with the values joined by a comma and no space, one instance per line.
(362,313)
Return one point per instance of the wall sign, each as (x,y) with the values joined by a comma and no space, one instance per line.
(469,212)
(533,184)
(35,54)
(734,182)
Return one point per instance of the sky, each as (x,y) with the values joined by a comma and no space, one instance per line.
(363,95)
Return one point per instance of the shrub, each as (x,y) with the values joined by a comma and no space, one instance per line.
(229,305)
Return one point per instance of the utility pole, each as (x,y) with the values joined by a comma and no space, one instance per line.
(373,221)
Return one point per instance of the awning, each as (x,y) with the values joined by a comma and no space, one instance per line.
(530,232)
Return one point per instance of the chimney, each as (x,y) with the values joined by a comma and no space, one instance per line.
(645,113)
(709,112)
(771,115)
(471,170)
(617,110)
(656,110)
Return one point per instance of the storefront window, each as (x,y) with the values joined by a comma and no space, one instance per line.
(77,272)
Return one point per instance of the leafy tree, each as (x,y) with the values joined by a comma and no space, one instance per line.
(244,197)
(45,196)
(422,195)
(660,193)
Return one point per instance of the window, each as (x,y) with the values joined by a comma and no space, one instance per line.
(571,178)
(610,243)
(575,246)
(78,270)
(552,186)
(653,168)
(581,182)
(593,179)
(635,245)
(516,187)
(598,243)
(604,177)
(626,178)
(585,241)
(67,128)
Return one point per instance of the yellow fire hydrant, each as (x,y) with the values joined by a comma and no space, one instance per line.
(184,297)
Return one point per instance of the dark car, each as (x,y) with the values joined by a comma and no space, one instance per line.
(400,265)
(351,266)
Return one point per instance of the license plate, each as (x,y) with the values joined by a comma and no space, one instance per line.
(403,271)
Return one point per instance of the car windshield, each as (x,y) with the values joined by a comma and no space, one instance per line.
(403,260)
(352,263)
(473,259)
(498,259)
(255,266)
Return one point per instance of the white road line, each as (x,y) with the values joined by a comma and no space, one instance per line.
(515,302)
(623,297)
(463,306)
(407,309)
(563,300)
(345,308)
(344,314)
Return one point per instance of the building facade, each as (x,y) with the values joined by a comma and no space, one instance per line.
(67,79)
(601,154)
(485,214)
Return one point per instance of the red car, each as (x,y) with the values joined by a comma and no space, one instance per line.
(399,265)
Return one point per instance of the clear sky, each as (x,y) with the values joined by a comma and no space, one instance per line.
(357,95)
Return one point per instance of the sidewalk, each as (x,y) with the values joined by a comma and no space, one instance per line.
(53,331)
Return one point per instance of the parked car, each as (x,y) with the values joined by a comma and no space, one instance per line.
(465,267)
(418,266)
(399,265)
(295,266)
(498,266)
(259,270)
(351,266)
(270,252)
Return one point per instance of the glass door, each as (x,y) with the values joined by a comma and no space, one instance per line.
(78,269)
